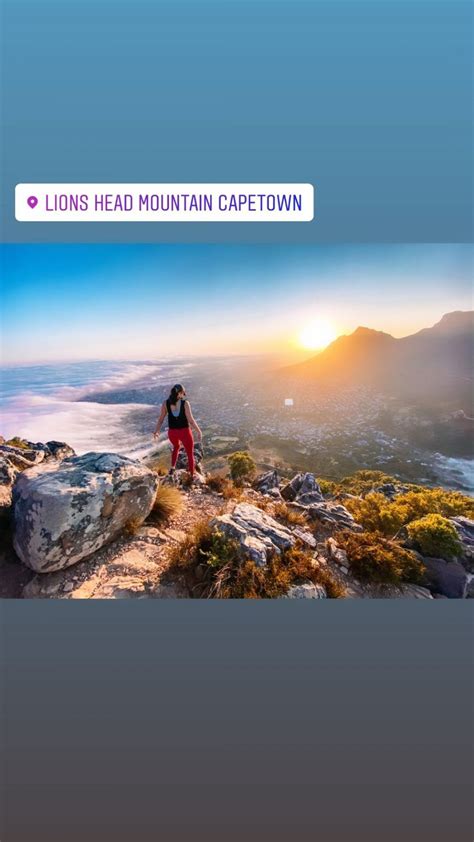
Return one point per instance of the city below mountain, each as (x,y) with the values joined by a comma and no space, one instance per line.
(433,366)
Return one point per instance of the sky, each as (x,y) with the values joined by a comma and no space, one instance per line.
(77,302)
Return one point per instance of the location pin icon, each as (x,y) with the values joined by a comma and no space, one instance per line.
(32,201)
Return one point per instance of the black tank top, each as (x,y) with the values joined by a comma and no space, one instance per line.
(180,421)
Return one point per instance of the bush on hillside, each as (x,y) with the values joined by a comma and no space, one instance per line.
(373,558)
(242,467)
(214,568)
(378,514)
(328,487)
(361,482)
(434,535)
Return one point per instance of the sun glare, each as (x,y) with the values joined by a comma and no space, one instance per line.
(317,334)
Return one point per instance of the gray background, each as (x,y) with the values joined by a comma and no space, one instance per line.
(225,721)
(241,722)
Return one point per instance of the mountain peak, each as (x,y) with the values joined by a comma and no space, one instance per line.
(369,331)
(458,321)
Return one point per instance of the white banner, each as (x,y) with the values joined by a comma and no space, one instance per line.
(164,202)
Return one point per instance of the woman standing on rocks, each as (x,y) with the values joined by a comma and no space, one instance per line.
(180,421)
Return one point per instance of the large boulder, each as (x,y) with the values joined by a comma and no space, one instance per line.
(303,489)
(465,529)
(258,534)
(447,578)
(64,514)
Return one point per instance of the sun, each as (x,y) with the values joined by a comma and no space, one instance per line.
(317,334)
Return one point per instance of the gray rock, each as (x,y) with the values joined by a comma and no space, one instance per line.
(448,578)
(59,450)
(274,493)
(465,529)
(333,515)
(19,458)
(8,472)
(64,514)
(414,592)
(306,591)
(337,554)
(305,537)
(303,488)
(257,533)
(390,490)
(268,482)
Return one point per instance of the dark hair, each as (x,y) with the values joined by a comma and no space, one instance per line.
(175,392)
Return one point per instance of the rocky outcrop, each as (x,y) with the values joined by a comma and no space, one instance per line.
(21,456)
(64,514)
(303,489)
(268,484)
(257,534)
(465,529)
(333,516)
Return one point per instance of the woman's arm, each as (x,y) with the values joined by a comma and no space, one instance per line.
(160,420)
(190,417)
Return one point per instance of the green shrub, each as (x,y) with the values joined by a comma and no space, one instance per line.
(328,487)
(241,466)
(362,482)
(376,513)
(373,558)
(434,535)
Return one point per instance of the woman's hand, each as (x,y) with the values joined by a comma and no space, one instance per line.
(156,434)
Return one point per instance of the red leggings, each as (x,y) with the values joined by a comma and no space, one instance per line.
(183,437)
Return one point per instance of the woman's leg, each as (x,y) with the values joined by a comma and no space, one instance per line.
(188,442)
(174,437)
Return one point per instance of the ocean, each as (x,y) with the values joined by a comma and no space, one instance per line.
(62,402)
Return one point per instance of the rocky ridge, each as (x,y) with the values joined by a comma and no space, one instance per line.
(76,527)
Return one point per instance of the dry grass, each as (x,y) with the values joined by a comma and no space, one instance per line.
(213,568)
(133,525)
(168,503)
(224,486)
(19,443)
(289,516)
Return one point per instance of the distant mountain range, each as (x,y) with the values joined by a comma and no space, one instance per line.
(433,366)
